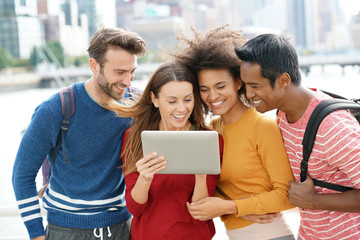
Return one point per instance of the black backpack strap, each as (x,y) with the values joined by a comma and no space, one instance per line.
(332,186)
(319,113)
(67,109)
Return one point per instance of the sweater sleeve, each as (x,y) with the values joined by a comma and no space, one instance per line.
(36,143)
(211,180)
(269,144)
(133,207)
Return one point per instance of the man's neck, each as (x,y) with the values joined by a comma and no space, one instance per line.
(95,92)
(298,100)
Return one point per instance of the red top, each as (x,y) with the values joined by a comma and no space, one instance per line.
(165,215)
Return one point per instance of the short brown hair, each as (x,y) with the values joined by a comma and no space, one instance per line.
(106,38)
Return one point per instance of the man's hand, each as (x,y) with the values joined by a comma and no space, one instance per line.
(210,207)
(263,218)
(302,194)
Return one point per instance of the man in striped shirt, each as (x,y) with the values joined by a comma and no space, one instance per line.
(271,73)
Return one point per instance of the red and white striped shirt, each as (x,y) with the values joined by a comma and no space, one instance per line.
(335,158)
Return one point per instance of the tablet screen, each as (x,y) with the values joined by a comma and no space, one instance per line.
(187,152)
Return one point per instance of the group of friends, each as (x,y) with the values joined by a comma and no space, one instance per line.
(110,190)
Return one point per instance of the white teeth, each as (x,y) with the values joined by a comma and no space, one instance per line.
(119,87)
(256,102)
(217,103)
(179,116)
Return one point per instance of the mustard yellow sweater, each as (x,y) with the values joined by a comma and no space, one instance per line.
(255,170)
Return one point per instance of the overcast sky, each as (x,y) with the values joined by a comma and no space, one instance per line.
(350,7)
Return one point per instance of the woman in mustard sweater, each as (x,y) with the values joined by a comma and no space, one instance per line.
(255,170)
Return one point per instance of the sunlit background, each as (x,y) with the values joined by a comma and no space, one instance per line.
(43,47)
(42,35)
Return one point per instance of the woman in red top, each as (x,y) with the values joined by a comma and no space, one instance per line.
(170,101)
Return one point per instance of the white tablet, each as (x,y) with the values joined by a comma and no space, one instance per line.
(187,152)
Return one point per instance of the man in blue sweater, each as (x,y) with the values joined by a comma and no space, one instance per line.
(85,198)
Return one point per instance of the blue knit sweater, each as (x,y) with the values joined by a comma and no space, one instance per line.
(88,192)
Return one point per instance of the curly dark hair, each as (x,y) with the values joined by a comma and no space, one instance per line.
(214,50)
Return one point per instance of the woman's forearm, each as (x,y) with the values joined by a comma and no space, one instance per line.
(200,188)
(141,190)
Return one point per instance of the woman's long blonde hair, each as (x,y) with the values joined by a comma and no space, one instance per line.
(147,116)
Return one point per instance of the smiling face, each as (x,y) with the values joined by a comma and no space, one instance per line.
(219,91)
(116,74)
(258,89)
(175,102)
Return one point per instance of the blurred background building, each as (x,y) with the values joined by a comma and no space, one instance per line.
(315,26)
(20,27)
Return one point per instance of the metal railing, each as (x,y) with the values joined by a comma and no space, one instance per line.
(46,54)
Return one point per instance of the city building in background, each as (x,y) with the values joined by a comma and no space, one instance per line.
(73,29)
(313,25)
(355,31)
(49,16)
(20,27)
(98,13)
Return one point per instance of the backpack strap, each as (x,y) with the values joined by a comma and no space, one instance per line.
(332,186)
(320,112)
(67,109)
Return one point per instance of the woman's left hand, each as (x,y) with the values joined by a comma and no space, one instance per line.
(261,218)
(210,207)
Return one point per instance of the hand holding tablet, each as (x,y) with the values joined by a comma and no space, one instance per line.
(150,164)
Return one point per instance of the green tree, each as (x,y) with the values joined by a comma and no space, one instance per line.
(20,62)
(150,57)
(5,58)
(52,52)
(35,58)
(78,60)
(58,50)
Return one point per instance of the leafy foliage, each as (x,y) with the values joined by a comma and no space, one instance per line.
(5,58)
